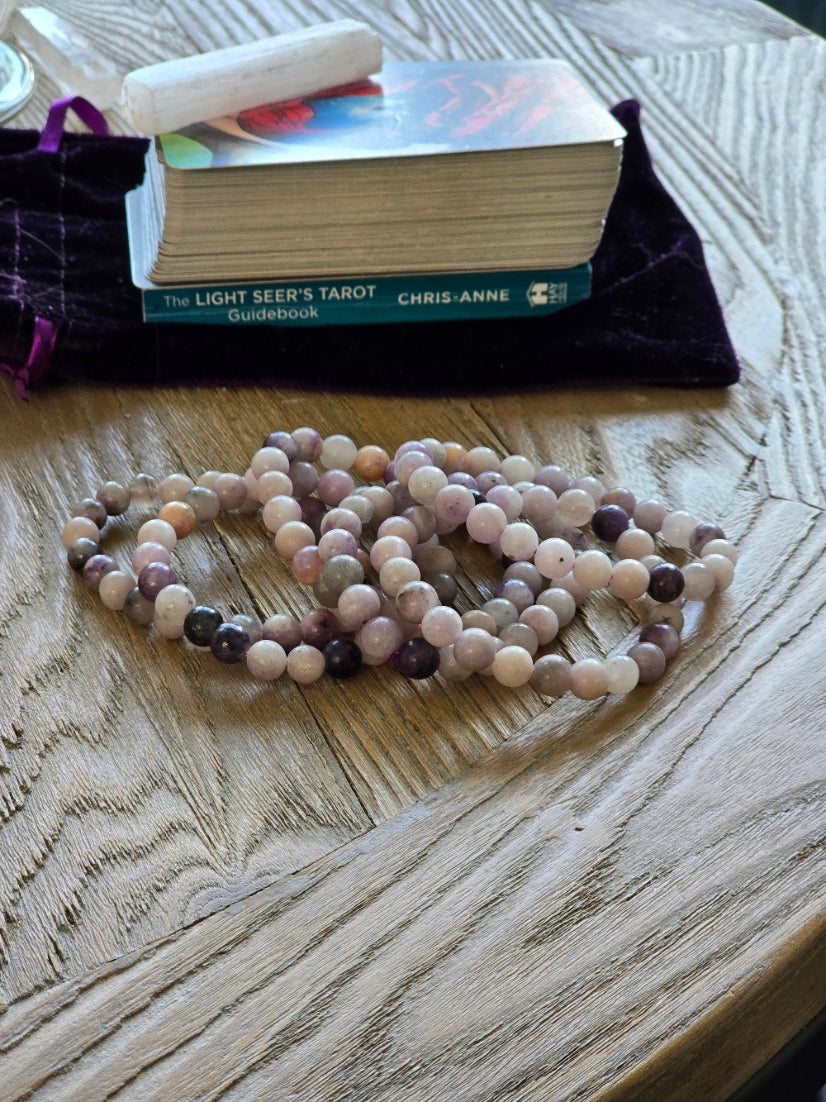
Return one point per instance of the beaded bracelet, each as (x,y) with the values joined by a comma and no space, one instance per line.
(394,603)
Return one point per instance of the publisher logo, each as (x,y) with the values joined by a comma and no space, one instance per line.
(547,294)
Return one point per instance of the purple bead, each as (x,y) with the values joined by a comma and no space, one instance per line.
(609,522)
(666,583)
(95,568)
(516,591)
(230,642)
(462,478)
(201,623)
(702,534)
(488,479)
(663,636)
(342,658)
(81,551)
(319,627)
(154,577)
(650,659)
(417,658)
(284,441)
(313,511)
(93,509)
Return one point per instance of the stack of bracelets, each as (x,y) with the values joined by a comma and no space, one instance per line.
(394,603)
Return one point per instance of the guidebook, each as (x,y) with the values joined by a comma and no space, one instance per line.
(432,169)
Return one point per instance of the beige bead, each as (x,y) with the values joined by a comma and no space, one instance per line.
(291,536)
(722,568)
(158,531)
(512,666)
(629,579)
(635,543)
(589,679)
(305,664)
(592,569)
(396,573)
(79,528)
(114,587)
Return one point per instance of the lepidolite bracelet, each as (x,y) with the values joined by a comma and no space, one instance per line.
(393,603)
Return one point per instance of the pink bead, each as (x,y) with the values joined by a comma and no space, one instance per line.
(589,679)
(389,547)
(629,579)
(158,531)
(146,553)
(544,622)
(334,485)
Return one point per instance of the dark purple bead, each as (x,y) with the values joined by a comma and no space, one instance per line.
(81,551)
(609,522)
(650,660)
(313,511)
(342,658)
(200,625)
(154,577)
(702,535)
(417,658)
(666,583)
(478,496)
(230,642)
(663,636)
(319,627)
(95,568)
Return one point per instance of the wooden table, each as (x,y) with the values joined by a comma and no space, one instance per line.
(388,891)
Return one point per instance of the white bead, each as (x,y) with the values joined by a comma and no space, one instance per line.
(720,547)
(266,660)
(699,581)
(519,541)
(278,510)
(172,605)
(623,673)
(575,508)
(592,569)
(512,666)
(338,451)
(158,531)
(425,483)
(723,570)
(517,468)
(113,588)
(396,573)
(589,678)
(271,484)
(677,528)
(269,459)
(79,528)
(441,626)
(554,558)
(174,487)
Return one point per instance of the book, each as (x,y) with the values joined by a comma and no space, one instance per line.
(367,300)
(431,168)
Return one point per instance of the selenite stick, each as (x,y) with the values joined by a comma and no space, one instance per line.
(175,93)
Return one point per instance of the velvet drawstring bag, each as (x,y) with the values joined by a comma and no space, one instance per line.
(70,313)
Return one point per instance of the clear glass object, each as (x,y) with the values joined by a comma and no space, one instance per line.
(16,81)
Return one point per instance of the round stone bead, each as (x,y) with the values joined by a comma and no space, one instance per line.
(204,503)
(662,635)
(404,465)
(396,573)
(208,479)
(229,642)
(181,516)
(701,536)
(414,599)
(272,484)
(380,498)
(554,477)
(342,571)
(441,625)
(305,664)
(342,658)
(539,505)
(474,648)
(520,635)
(96,568)
(81,550)
(370,462)
(268,459)
(446,586)
(158,531)
(283,440)
(635,543)
(266,660)
(477,618)
(609,522)
(304,478)
(278,510)
(554,558)
(481,459)
(623,673)
(149,552)
(629,579)
(485,522)
(449,668)
(79,528)
(144,491)
(561,602)
(291,536)
(154,577)
(663,614)
(650,660)
(200,624)
(502,610)
(519,541)
(379,638)
(589,679)
(525,572)
(337,542)
(231,490)
(455,457)
(251,625)
(593,486)
(575,507)
(678,527)
(592,569)
(174,486)
(425,483)
(137,608)
(389,547)
(490,480)
(418,659)
(435,560)
(666,583)
(551,675)
(114,588)
(649,516)
(543,621)
(517,468)
(319,626)
(306,564)
(512,666)
(283,629)
(401,527)
(699,581)
(723,570)
(338,451)
(334,485)
(357,604)
(114,498)
(720,547)
(618,495)
(92,509)
(172,606)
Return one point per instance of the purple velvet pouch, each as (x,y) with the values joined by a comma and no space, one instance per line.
(69,312)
